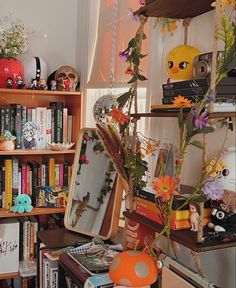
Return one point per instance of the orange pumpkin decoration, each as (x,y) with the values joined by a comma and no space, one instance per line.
(133,269)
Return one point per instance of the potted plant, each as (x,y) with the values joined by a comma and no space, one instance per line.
(7,141)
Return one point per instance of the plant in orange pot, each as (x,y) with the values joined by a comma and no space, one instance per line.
(7,141)
(14,39)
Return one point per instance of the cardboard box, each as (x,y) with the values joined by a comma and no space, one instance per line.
(9,246)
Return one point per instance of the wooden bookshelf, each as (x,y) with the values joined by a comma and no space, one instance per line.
(179,9)
(35,211)
(29,92)
(9,275)
(36,152)
(174,114)
(186,238)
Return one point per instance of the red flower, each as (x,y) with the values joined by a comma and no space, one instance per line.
(165,187)
(83,159)
(118,116)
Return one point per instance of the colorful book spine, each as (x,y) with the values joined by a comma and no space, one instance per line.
(15,178)
(49,126)
(26,239)
(61,174)
(23,178)
(69,128)
(65,124)
(57,179)
(18,124)
(51,171)
(41,119)
(8,183)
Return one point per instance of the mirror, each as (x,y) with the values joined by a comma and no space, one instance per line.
(95,192)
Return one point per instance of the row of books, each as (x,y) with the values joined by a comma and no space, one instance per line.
(35,127)
(21,282)
(18,177)
(48,267)
(147,206)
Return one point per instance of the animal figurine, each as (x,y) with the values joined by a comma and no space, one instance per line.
(22,204)
(221,219)
(179,62)
(194,216)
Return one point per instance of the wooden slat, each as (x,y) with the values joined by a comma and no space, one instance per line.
(35,211)
(186,238)
(9,275)
(178,9)
(36,152)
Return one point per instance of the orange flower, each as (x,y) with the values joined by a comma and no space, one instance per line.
(129,71)
(118,116)
(165,187)
(180,101)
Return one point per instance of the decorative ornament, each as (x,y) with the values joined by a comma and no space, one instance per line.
(67,78)
(30,135)
(22,204)
(103,107)
(7,141)
(140,271)
(179,62)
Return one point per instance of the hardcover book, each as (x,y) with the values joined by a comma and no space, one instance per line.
(51,197)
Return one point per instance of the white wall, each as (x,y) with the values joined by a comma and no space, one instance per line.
(55,26)
(201,36)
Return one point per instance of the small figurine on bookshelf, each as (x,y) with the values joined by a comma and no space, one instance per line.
(7,141)
(194,216)
(9,83)
(22,204)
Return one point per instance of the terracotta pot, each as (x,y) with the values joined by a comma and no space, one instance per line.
(7,145)
(10,68)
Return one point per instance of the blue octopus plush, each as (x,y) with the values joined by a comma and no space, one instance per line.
(22,204)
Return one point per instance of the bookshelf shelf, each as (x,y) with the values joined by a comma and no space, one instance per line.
(185,237)
(4,91)
(9,275)
(36,152)
(174,114)
(178,9)
(35,211)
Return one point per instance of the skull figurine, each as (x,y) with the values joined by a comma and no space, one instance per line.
(67,72)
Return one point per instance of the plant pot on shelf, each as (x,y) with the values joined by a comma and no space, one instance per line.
(7,145)
(10,68)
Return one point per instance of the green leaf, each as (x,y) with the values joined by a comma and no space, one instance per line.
(180,118)
(132,43)
(123,99)
(141,77)
(189,127)
(204,130)
(134,78)
(197,144)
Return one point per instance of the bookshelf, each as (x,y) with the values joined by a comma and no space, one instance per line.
(32,99)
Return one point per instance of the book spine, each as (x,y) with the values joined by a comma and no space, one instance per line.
(186,84)
(46,274)
(49,126)
(59,125)
(29,114)
(18,127)
(65,124)
(15,179)
(2,119)
(43,175)
(7,118)
(12,120)
(28,184)
(31,249)
(26,240)
(51,171)
(61,174)
(3,187)
(57,179)
(23,179)
(8,183)
(41,119)
(69,128)
(65,176)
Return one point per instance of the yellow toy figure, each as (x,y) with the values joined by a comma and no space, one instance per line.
(179,62)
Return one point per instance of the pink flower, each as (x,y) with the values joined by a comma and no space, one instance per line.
(200,120)
(87,137)
(142,2)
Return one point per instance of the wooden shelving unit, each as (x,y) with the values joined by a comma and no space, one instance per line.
(29,92)
(178,9)
(35,211)
(185,237)
(36,152)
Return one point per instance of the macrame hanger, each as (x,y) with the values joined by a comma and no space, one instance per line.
(186,23)
(113,44)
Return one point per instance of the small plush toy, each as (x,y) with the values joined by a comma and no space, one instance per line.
(194,216)
(22,204)
(179,62)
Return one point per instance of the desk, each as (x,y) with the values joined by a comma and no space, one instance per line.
(57,239)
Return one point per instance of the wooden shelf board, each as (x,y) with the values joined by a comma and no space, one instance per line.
(175,114)
(35,211)
(38,92)
(9,275)
(186,238)
(35,152)
(178,9)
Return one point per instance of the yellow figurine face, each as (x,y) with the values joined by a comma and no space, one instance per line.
(179,62)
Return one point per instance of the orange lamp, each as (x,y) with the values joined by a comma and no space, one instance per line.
(133,269)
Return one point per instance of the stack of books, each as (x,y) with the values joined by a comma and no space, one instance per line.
(147,206)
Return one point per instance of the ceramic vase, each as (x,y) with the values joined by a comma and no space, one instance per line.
(10,68)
